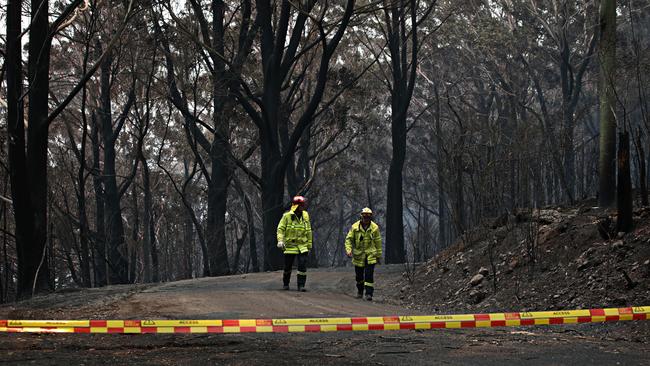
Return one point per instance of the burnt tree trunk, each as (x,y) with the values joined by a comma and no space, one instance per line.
(606,93)
(250,224)
(149,243)
(6,265)
(394,200)
(134,248)
(643,180)
(146,237)
(117,249)
(217,203)
(272,205)
(251,237)
(188,227)
(568,153)
(440,158)
(99,248)
(403,72)
(28,157)
(625,222)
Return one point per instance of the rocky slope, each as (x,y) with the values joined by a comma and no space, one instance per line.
(557,258)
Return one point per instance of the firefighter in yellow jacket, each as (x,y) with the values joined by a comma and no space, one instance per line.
(295,239)
(363,244)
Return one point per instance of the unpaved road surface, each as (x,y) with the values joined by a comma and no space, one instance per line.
(330,294)
(258,295)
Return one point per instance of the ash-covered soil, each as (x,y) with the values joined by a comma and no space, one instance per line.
(541,260)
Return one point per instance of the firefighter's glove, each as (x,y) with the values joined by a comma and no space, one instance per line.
(348,253)
(281,245)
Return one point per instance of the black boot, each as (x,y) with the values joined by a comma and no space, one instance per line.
(286,278)
(369,287)
(302,271)
(302,279)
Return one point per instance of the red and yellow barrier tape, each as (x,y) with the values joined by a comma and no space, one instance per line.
(327,324)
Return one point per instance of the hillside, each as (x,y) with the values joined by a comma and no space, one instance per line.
(552,258)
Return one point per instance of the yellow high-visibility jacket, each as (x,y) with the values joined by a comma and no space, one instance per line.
(364,243)
(295,232)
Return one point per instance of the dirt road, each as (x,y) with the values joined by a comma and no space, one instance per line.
(330,294)
(259,295)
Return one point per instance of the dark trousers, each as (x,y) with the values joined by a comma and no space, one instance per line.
(365,278)
(302,268)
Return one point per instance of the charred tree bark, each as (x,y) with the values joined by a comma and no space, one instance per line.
(28,157)
(272,206)
(238,246)
(188,245)
(217,204)
(118,262)
(643,179)
(252,243)
(134,248)
(440,158)
(458,205)
(250,223)
(403,70)
(568,109)
(149,243)
(6,265)
(607,56)
(624,204)
(188,227)
(99,248)
(146,242)
(84,230)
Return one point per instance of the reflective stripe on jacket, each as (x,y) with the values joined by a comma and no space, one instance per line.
(364,243)
(295,232)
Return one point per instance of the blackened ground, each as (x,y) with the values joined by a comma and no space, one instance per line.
(497,267)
